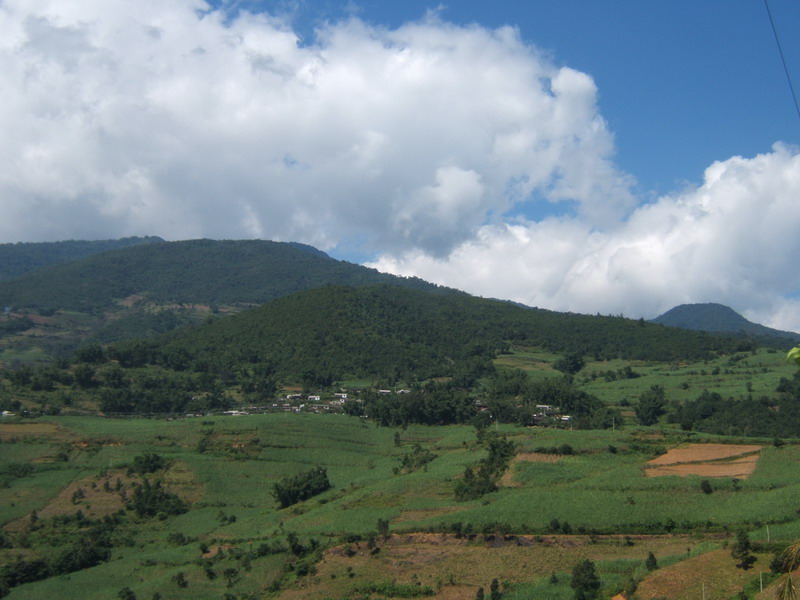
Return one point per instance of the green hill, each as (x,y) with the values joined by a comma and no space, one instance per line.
(23,257)
(149,289)
(411,334)
(244,272)
(719,318)
(378,336)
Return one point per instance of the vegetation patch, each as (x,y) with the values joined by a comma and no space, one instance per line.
(507,480)
(419,515)
(712,575)
(456,566)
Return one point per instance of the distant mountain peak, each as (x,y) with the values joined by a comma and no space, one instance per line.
(717,318)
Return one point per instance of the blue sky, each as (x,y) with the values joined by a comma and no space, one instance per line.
(619,157)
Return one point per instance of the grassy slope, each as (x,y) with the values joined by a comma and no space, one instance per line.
(248,454)
(681,380)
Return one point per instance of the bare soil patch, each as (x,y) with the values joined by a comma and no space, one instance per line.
(10,431)
(94,496)
(741,468)
(417,515)
(703,452)
(706,460)
(131,300)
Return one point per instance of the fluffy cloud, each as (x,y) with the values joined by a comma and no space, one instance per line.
(164,118)
(731,240)
(433,146)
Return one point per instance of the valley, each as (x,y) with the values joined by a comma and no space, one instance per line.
(337,435)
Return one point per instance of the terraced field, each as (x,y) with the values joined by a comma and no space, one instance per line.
(598,501)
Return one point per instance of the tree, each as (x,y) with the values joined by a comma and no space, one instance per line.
(740,551)
(383,528)
(150,500)
(293,489)
(651,563)
(149,462)
(84,375)
(652,404)
(570,364)
(585,581)
(180,579)
(90,353)
(230,575)
(126,593)
(705,486)
(494,590)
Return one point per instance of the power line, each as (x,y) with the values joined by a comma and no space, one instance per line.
(783,59)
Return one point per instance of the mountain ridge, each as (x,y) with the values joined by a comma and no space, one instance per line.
(718,318)
(18,258)
(213,272)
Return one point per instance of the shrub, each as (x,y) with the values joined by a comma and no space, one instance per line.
(149,462)
(151,500)
(585,581)
(293,489)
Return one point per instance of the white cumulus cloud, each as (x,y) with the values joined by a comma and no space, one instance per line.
(732,240)
(432,146)
(170,119)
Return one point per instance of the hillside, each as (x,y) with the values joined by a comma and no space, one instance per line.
(23,257)
(385,330)
(152,288)
(148,508)
(190,272)
(719,318)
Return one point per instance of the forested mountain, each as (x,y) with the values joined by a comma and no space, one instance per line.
(23,257)
(244,272)
(335,332)
(719,318)
(385,335)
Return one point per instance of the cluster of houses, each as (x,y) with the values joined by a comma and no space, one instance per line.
(295,403)
(545,414)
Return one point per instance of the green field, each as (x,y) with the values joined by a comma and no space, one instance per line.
(739,375)
(599,489)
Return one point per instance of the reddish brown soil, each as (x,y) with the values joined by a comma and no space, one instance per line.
(706,460)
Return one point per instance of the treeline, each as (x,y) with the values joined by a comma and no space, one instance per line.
(761,417)
(512,397)
(505,396)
